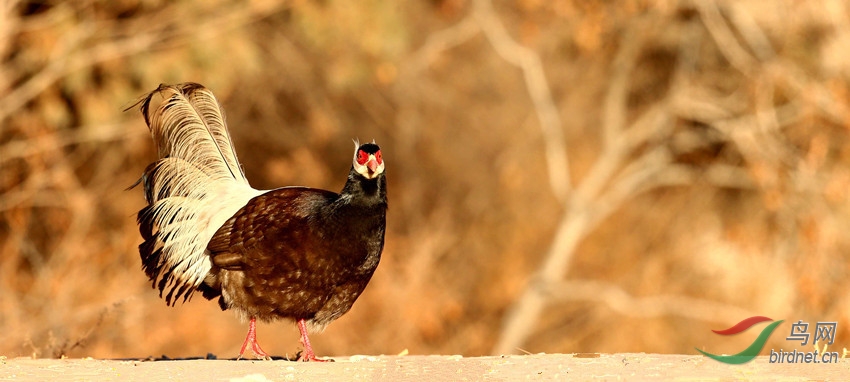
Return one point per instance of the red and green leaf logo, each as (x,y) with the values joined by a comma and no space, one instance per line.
(751,351)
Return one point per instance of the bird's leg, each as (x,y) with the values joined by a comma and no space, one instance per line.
(308,350)
(252,339)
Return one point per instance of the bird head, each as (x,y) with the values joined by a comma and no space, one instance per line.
(368,161)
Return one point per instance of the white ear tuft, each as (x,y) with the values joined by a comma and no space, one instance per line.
(356,146)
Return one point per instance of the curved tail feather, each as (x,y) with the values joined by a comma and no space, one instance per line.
(194,187)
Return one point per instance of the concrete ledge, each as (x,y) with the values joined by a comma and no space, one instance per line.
(423,368)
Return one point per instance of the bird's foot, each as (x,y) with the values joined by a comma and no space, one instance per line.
(251,338)
(256,349)
(259,352)
(307,355)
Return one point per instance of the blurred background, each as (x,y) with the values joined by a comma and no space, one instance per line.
(564,176)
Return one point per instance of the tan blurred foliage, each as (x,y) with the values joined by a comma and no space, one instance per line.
(565,176)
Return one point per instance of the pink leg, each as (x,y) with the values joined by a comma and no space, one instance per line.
(252,339)
(308,349)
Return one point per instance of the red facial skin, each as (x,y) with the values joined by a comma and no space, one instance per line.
(363,158)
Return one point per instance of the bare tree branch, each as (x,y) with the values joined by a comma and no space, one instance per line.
(104,133)
(484,19)
(623,303)
(69,57)
(586,209)
(752,33)
(444,40)
(614,115)
(724,37)
(538,88)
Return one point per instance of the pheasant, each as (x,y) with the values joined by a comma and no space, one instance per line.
(296,253)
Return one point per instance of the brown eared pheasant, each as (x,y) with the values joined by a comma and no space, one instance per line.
(295,253)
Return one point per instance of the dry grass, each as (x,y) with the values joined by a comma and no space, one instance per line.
(564,176)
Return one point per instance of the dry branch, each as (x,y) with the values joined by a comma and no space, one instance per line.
(538,89)
(618,175)
(620,301)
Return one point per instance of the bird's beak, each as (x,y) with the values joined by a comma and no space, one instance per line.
(372,164)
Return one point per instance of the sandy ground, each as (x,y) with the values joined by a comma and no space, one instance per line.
(422,368)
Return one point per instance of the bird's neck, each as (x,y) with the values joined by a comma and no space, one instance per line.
(360,191)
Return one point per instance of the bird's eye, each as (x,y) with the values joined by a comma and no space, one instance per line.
(379,157)
(362,157)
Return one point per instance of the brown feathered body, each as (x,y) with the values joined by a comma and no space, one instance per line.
(291,253)
(297,253)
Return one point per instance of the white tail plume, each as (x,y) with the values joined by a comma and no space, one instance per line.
(194,187)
